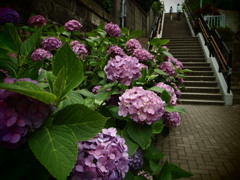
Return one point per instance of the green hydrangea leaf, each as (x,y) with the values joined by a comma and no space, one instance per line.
(83,121)
(139,133)
(56,149)
(29,89)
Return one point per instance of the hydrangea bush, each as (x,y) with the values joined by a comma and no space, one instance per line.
(84,108)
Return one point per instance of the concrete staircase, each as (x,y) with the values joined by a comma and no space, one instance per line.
(201,85)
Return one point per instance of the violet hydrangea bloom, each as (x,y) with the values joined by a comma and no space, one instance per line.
(167,67)
(40,54)
(132,45)
(142,105)
(72,25)
(170,90)
(115,50)
(112,29)
(172,119)
(8,15)
(102,157)
(18,113)
(136,160)
(123,69)
(142,55)
(176,62)
(80,50)
(51,43)
(38,20)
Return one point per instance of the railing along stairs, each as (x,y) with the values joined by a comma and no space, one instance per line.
(217,49)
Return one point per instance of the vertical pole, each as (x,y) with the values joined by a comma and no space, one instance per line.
(200,3)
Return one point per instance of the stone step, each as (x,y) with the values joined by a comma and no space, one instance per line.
(196,64)
(201,89)
(183,48)
(202,102)
(201,83)
(189,53)
(200,78)
(199,68)
(208,96)
(200,73)
(236,99)
(189,56)
(192,60)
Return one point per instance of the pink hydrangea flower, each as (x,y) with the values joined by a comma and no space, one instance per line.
(172,120)
(40,54)
(18,113)
(115,50)
(170,90)
(112,29)
(102,157)
(38,20)
(8,15)
(142,55)
(132,45)
(79,49)
(51,43)
(175,62)
(123,69)
(72,25)
(143,106)
(167,67)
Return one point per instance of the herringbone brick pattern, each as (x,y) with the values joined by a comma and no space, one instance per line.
(207,143)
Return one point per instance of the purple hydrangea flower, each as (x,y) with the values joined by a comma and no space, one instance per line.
(176,62)
(123,69)
(12,55)
(132,45)
(8,15)
(180,80)
(112,29)
(38,20)
(51,43)
(18,114)
(115,50)
(72,25)
(143,66)
(136,160)
(172,119)
(79,49)
(165,47)
(40,54)
(142,105)
(167,68)
(102,157)
(142,55)
(170,90)
(95,89)
(73,43)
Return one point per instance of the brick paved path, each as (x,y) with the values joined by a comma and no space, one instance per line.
(207,143)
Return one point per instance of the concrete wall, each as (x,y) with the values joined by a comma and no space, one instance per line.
(88,12)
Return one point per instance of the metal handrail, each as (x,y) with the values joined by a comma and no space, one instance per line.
(218,49)
(156,29)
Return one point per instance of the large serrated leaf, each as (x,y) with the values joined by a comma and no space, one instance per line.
(171,109)
(132,146)
(28,45)
(9,39)
(139,133)
(66,58)
(178,172)
(29,89)
(84,122)
(56,149)
(165,173)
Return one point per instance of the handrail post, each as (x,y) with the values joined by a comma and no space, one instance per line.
(229,75)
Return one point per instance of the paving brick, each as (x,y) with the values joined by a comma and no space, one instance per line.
(207,143)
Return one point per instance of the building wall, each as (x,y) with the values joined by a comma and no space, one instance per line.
(87,12)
